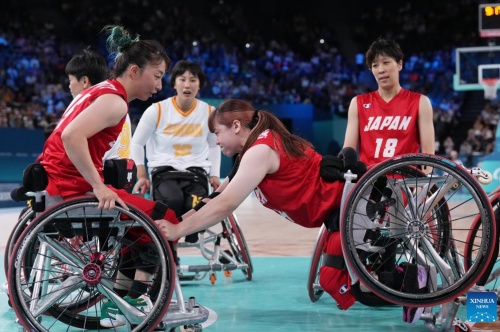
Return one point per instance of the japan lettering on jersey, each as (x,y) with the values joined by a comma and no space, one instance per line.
(64,178)
(387,129)
(296,191)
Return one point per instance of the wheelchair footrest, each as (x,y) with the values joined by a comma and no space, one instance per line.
(189,314)
(211,267)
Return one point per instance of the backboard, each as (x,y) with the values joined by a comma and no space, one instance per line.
(477,68)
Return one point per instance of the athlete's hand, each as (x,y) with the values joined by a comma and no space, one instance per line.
(170,230)
(107,198)
(141,186)
(214,181)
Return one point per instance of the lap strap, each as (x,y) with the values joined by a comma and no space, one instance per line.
(335,261)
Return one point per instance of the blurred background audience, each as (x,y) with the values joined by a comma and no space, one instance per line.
(267,52)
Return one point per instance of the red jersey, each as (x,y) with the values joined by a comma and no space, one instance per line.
(387,129)
(296,191)
(64,178)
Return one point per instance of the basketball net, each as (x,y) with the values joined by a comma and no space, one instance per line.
(490,86)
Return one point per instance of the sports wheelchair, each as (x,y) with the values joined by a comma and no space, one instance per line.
(64,264)
(396,214)
(220,255)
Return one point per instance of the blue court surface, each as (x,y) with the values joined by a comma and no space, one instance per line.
(275,300)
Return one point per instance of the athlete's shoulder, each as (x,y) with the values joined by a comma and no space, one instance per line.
(265,137)
(411,94)
(164,103)
(366,97)
(204,106)
(202,103)
(268,133)
(366,101)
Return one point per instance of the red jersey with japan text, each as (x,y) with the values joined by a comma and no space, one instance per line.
(296,191)
(387,129)
(64,178)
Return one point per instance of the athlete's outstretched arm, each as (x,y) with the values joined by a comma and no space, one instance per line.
(258,161)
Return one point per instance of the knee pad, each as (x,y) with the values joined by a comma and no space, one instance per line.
(334,278)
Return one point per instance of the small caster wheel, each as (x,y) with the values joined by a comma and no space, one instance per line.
(213,278)
(228,273)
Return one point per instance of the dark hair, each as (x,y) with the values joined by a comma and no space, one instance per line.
(182,66)
(383,46)
(130,50)
(90,64)
(258,121)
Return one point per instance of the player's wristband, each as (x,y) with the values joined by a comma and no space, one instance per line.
(213,195)
(201,204)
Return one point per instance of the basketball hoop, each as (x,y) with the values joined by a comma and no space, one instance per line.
(490,86)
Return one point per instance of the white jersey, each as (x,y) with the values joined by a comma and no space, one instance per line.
(121,148)
(177,139)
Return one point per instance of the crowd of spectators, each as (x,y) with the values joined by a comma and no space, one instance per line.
(300,61)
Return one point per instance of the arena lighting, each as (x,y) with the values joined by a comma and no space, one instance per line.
(195,43)
(247,45)
(321,41)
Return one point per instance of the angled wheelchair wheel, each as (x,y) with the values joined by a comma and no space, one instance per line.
(26,216)
(490,279)
(66,263)
(399,225)
(238,246)
(313,287)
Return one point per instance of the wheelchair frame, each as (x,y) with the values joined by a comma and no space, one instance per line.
(228,260)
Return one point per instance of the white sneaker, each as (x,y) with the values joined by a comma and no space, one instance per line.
(111,316)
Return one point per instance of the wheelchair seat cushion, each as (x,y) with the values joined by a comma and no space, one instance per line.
(191,174)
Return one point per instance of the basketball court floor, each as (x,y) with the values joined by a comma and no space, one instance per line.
(276,299)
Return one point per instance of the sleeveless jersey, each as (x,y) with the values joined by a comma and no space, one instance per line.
(387,129)
(174,138)
(296,191)
(64,178)
(121,148)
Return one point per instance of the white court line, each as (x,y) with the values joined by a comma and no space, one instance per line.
(212,318)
